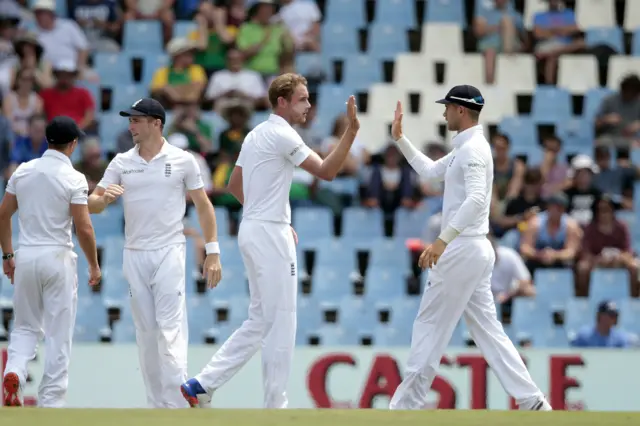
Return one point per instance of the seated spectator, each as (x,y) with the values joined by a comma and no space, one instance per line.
(155,10)
(235,13)
(66,98)
(31,146)
(6,142)
(30,57)
(302,186)
(189,122)
(8,31)
(521,209)
(582,193)
(507,171)
(510,277)
(21,103)
(606,244)
(101,22)
(62,39)
(604,334)
(554,170)
(265,45)
(556,33)
(615,181)
(91,165)
(232,137)
(211,38)
(618,120)
(302,18)
(391,184)
(358,154)
(237,83)
(308,131)
(552,238)
(220,195)
(182,81)
(499,30)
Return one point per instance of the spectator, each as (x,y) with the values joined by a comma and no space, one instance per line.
(507,171)
(66,98)
(6,140)
(552,238)
(22,102)
(16,10)
(189,122)
(237,83)
(556,33)
(211,38)
(62,39)
(391,184)
(265,45)
(554,171)
(124,141)
(182,81)
(616,181)
(433,190)
(308,131)
(92,166)
(154,10)
(604,334)
(510,277)
(618,120)
(302,187)
(101,22)
(220,196)
(358,154)
(606,244)
(8,30)
(232,137)
(499,30)
(582,193)
(30,57)
(521,209)
(181,141)
(235,13)
(302,18)
(31,146)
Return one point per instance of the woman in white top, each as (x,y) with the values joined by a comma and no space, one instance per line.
(22,102)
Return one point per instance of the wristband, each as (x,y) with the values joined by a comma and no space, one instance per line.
(212,248)
(448,234)
(7,256)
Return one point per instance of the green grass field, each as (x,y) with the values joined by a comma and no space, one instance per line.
(214,417)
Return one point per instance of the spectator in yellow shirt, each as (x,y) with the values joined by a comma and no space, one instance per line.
(182,81)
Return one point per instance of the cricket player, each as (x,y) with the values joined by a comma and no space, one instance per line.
(154,179)
(48,194)
(261,181)
(461,261)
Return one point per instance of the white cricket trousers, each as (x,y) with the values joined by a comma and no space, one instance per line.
(460,285)
(44,305)
(157,288)
(269,254)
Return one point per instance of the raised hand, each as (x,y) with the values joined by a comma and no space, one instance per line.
(352,113)
(396,126)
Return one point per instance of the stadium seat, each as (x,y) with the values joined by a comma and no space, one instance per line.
(498,104)
(355,314)
(339,40)
(113,252)
(142,36)
(612,37)
(329,287)
(450,11)
(619,68)
(441,39)
(385,283)
(629,318)
(635,43)
(386,41)
(552,337)
(554,287)
(516,73)
(402,312)
(521,130)
(200,318)
(345,12)
(237,310)
(551,105)
(361,223)
(115,69)
(389,252)
(631,16)
(399,13)
(109,223)
(184,28)
(410,223)
(115,288)
(531,8)
(523,309)
(464,69)
(309,315)
(312,223)
(331,100)
(412,71)
(342,185)
(312,64)
(385,336)
(579,312)
(595,13)
(151,62)
(592,100)
(125,95)
(330,335)
(361,71)
(230,252)
(6,292)
(382,100)
(609,284)
(575,132)
(91,320)
(336,252)
(233,285)
(111,126)
(578,73)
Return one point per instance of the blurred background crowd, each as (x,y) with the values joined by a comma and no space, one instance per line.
(562,89)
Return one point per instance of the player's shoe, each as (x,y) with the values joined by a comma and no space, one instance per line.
(194,394)
(11,390)
(540,404)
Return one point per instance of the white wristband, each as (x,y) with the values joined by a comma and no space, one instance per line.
(448,234)
(212,248)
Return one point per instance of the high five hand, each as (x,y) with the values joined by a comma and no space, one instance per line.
(396,126)
(352,113)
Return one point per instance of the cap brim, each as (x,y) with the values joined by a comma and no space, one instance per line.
(132,113)
(443,101)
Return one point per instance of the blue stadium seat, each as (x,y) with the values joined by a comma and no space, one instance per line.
(521,130)
(385,283)
(219,333)
(575,133)
(329,286)
(124,331)
(151,62)
(312,223)
(339,40)
(230,252)
(114,68)
(551,105)
(355,315)
(109,223)
(6,292)
(346,185)
(125,95)
(309,314)
(609,284)
(630,218)
(312,64)
(579,312)
(402,312)
(399,13)
(232,285)
(592,101)
(115,288)
(612,37)
(330,335)
(113,252)
(335,252)
(635,43)
(554,287)
(635,156)
(110,128)
(184,28)
(331,100)
(362,223)
(386,41)
(410,223)
(142,37)
(222,220)
(552,337)
(446,11)
(200,318)
(91,319)
(361,71)
(524,309)
(389,252)
(346,12)
(387,336)
(629,318)
(237,310)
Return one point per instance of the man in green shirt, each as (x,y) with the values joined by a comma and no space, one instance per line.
(189,122)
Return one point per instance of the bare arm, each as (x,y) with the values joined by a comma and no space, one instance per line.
(572,244)
(206,214)
(97,201)
(86,234)
(329,168)
(8,207)
(515,184)
(235,184)
(481,28)
(528,238)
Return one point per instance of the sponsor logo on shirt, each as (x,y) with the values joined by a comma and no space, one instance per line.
(295,150)
(167,170)
(129,171)
(293,269)
(85,192)
(451,162)
(475,165)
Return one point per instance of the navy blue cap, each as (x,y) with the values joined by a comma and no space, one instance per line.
(465,96)
(607,307)
(62,130)
(146,107)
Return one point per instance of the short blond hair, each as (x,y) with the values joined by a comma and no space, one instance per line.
(284,86)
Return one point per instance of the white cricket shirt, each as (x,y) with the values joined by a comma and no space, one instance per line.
(509,269)
(154,194)
(269,155)
(45,188)
(467,172)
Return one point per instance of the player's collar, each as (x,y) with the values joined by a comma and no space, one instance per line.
(57,154)
(274,118)
(164,150)
(465,135)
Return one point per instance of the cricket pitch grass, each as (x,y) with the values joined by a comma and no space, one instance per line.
(217,417)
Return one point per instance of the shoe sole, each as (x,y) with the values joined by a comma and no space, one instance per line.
(192,400)
(11,390)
